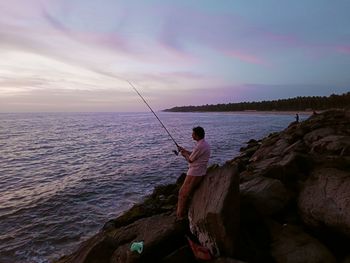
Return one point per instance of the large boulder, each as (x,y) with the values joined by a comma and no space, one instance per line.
(325,200)
(291,245)
(161,235)
(214,210)
(332,144)
(269,196)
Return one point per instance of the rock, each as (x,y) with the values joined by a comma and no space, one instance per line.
(346,259)
(246,176)
(97,249)
(183,254)
(291,245)
(318,134)
(269,196)
(263,164)
(160,240)
(163,199)
(254,236)
(214,211)
(268,148)
(226,260)
(114,246)
(332,144)
(325,200)
(288,168)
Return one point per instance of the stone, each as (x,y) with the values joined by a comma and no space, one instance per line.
(269,196)
(161,235)
(291,245)
(97,249)
(318,134)
(325,200)
(332,144)
(183,254)
(226,260)
(214,211)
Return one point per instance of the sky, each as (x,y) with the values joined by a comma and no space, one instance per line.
(80,55)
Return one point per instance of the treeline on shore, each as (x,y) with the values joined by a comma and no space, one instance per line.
(293,104)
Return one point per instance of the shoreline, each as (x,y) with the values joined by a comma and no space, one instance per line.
(250,112)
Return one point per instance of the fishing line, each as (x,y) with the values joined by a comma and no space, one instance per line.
(138,93)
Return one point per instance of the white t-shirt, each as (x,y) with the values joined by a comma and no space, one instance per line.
(199,159)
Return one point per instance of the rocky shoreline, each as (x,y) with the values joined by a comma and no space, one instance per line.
(285,198)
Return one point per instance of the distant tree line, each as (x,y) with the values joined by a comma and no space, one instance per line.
(292,104)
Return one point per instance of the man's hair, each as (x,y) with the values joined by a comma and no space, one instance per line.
(199,131)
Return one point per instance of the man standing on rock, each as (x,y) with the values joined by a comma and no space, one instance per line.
(197,162)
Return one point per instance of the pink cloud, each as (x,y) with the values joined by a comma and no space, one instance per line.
(245,57)
(281,38)
(111,40)
(343,49)
(177,52)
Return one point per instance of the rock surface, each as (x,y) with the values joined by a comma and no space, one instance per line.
(294,205)
(325,200)
(291,244)
(214,211)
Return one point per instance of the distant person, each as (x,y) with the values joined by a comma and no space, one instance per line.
(297,117)
(197,163)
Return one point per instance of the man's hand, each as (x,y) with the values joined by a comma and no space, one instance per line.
(184,153)
(181,149)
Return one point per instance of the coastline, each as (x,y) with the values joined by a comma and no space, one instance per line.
(250,112)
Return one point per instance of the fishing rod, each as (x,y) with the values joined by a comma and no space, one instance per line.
(138,93)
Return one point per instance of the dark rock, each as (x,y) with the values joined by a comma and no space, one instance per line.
(346,259)
(163,199)
(254,235)
(161,234)
(183,254)
(226,260)
(97,249)
(291,244)
(332,144)
(214,211)
(269,196)
(325,200)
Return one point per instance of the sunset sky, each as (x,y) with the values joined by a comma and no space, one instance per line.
(77,55)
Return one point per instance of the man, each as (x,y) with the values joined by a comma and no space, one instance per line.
(297,117)
(197,162)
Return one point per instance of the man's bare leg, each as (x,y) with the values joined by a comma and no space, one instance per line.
(187,188)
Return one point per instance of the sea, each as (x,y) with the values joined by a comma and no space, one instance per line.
(63,175)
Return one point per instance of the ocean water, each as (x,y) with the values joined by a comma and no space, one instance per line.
(63,175)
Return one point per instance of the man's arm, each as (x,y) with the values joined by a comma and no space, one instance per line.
(185,153)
